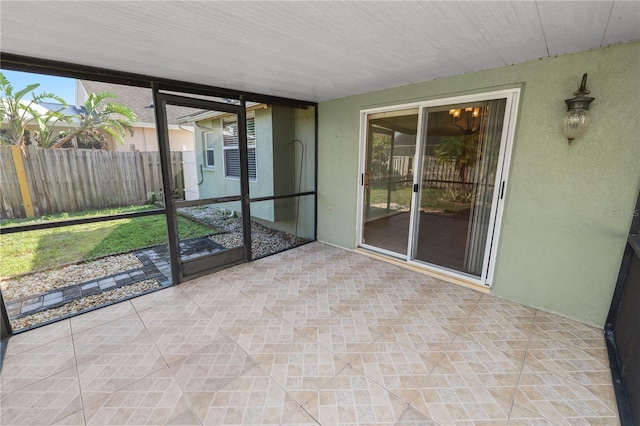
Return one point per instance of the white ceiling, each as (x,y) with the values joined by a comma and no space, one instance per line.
(310,50)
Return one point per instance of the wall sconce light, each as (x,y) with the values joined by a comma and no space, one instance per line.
(576,118)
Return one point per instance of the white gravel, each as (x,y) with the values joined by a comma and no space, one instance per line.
(85,303)
(45,281)
(264,240)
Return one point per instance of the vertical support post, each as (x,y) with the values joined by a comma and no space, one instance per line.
(21,173)
(5,325)
(244,178)
(164,149)
(315,175)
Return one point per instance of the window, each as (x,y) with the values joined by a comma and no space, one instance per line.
(209,157)
(232,151)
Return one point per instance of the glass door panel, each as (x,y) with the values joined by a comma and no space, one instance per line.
(205,164)
(460,156)
(390,153)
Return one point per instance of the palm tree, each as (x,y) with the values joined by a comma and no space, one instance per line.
(20,112)
(45,136)
(460,151)
(112,118)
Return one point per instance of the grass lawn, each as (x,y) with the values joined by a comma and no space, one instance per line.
(24,252)
(432,198)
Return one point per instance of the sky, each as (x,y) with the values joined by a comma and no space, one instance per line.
(63,87)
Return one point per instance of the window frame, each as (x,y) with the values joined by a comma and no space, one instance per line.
(208,148)
(250,146)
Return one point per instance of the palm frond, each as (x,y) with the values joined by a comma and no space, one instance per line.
(49,95)
(123,110)
(18,95)
(113,133)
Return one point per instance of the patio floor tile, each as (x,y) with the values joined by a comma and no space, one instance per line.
(254,398)
(345,336)
(212,367)
(493,369)
(556,327)
(353,398)
(585,366)
(179,329)
(33,365)
(448,398)
(169,294)
(504,336)
(565,401)
(314,335)
(42,402)
(300,418)
(395,367)
(154,399)
(100,316)
(40,336)
(301,368)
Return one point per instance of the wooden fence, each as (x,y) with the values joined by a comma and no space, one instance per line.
(434,173)
(70,180)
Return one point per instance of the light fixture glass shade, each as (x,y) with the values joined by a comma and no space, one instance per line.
(574,123)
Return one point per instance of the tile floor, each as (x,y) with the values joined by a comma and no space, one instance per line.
(313,335)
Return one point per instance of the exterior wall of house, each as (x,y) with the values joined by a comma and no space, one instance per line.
(215,184)
(278,167)
(146,139)
(567,208)
(300,157)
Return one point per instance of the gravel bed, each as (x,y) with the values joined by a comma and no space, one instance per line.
(264,240)
(214,217)
(85,303)
(45,281)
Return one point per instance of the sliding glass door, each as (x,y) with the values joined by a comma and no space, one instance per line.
(388,180)
(433,179)
(457,181)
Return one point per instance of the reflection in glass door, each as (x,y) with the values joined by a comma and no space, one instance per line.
(388,179)
(206,169)
(459,163)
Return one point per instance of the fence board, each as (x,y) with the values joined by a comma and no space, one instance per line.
(434,174)
(36,179)
(69,180)
(9,190)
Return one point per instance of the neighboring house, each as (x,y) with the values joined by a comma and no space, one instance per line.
(140,100)
(272,155)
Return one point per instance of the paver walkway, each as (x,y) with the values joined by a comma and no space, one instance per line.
(155,265)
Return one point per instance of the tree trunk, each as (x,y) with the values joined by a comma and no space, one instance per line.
(60,142)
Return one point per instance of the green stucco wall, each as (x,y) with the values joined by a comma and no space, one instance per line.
(567,208)
(280,170)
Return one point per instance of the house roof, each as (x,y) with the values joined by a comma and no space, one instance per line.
(139,99)
(65,109)
(42,108)
(312,50)
(208,114)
